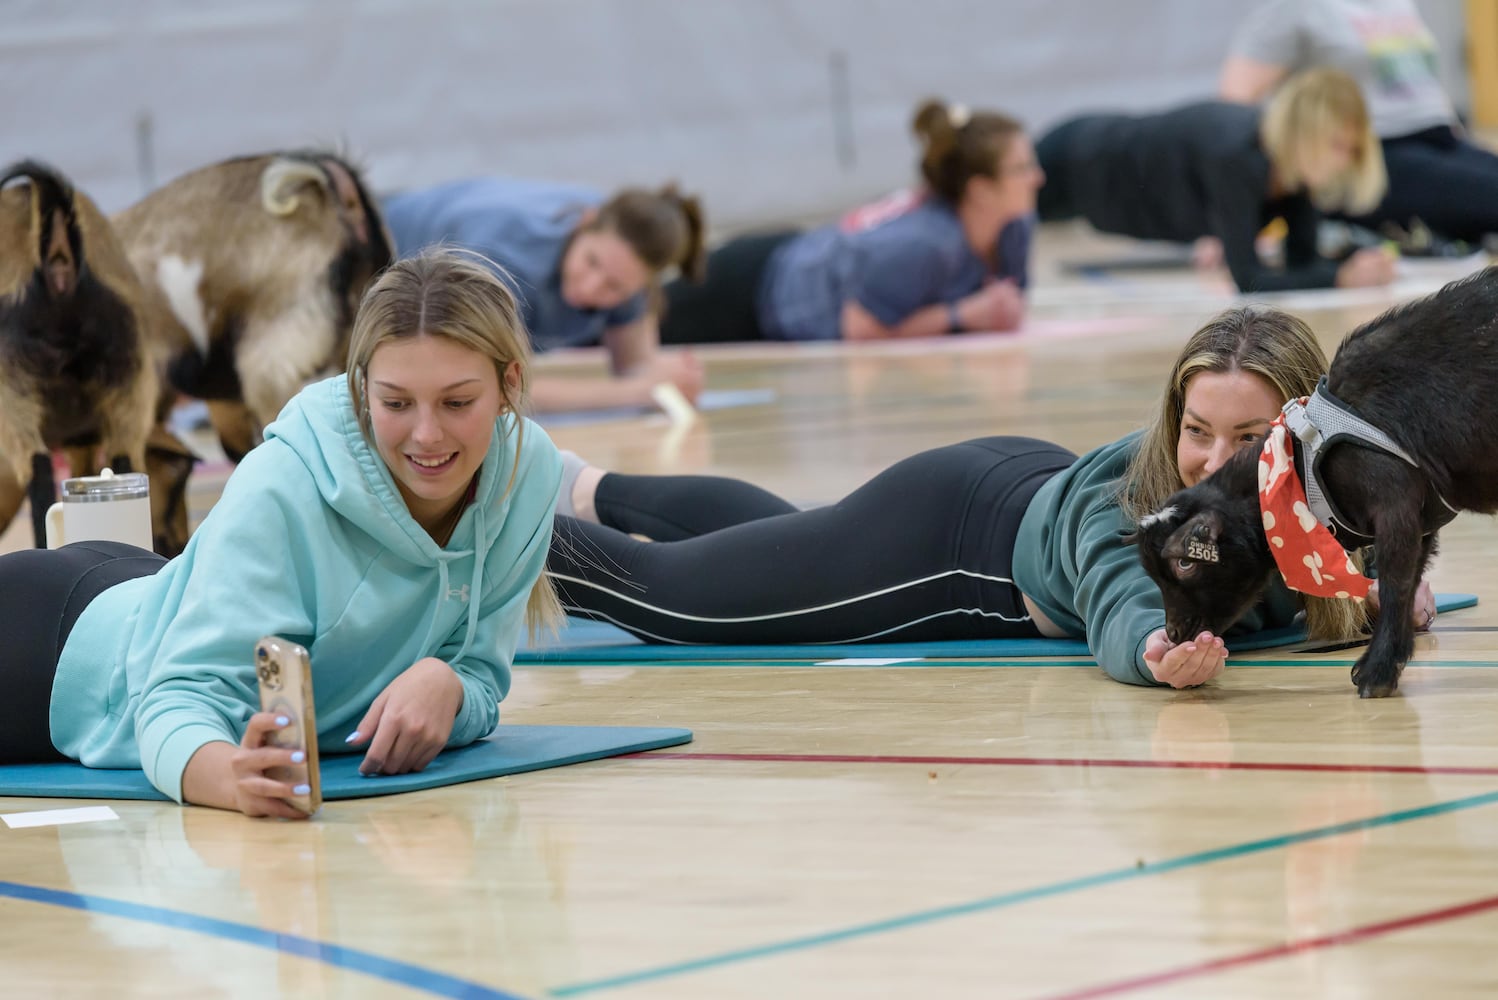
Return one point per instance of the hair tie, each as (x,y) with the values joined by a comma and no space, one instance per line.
(958,114)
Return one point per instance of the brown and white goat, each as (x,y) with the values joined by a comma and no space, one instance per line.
(75,374)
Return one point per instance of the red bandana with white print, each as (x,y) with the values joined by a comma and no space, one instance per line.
(1307,554)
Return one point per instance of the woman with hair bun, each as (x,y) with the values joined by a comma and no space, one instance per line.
(947,256)
(586,270)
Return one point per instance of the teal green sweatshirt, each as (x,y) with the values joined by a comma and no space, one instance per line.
(311,541)
(1069,559)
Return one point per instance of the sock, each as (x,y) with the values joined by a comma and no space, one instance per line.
(572,466)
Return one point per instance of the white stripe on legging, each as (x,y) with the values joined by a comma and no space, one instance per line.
(807,611)
(665,640)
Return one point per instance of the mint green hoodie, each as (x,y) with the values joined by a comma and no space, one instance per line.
(311,541)
(1070,560)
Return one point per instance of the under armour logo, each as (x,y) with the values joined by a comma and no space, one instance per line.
(461,593)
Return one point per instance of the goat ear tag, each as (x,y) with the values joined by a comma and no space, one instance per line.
(1202,551)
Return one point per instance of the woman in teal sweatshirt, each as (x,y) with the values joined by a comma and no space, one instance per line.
(993,538)
(394,522)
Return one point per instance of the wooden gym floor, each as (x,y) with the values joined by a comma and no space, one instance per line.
(959,829)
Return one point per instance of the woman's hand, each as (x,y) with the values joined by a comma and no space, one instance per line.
(1422,610)
(1207,253)
(411,720)
(255,793)
(680,368)
(1187,664)
(998,305)
(1366,267)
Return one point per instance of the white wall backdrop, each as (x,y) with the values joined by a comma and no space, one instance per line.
(769,108)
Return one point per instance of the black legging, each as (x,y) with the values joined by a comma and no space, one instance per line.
(1445,181)
(921,552)
(42,593)
(724,308)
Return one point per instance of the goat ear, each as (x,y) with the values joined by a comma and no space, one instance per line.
(1201,535)
(1165,515)
(1206,526)
(1129,536)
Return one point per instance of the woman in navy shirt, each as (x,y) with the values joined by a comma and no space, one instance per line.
(583,267)
(948,256)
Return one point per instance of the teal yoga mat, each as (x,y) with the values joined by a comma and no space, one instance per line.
(511,750)
(584,641)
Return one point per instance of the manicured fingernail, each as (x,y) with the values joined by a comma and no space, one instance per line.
(302,790)
(351,737)
(298,757)
(282,720)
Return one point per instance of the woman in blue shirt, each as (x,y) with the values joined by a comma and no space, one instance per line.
(584,268)
(948,256)
(394,522)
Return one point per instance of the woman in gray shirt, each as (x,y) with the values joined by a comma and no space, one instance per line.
(1436,175)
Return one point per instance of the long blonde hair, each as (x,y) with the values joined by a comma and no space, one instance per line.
(1280,349)
(457,295)
(1304,111)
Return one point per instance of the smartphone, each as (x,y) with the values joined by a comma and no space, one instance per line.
(285,675)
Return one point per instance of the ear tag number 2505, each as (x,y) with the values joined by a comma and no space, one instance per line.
(1202,551)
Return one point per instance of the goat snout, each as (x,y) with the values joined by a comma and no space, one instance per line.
(1179,630)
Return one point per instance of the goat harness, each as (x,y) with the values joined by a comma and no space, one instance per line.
(1308,534)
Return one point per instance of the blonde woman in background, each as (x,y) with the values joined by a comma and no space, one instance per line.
(1438,178)
(1223,170)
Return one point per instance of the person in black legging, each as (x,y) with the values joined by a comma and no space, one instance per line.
(948,256)
(998,537)
(52,586)
(1438,177)
(1212,169)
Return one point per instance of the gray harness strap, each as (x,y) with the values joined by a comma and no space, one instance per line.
(1325,420)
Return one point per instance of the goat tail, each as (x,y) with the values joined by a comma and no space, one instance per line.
(282,181)
(55,236)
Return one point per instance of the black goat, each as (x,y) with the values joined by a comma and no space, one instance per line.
(1424,374)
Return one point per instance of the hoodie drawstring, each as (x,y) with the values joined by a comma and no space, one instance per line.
(473,589)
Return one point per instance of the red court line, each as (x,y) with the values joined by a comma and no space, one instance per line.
(1350,936)
(1189,765)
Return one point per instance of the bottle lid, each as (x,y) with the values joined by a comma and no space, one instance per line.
(106,486)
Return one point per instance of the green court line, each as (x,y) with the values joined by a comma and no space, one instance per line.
(1478,664)
(1007,899)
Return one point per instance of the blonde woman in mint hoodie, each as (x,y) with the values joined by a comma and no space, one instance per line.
(395,522)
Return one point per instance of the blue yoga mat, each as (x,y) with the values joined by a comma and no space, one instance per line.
(511,750)
(584,641)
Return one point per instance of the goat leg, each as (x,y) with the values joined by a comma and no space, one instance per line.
(42,493)
(1402,554)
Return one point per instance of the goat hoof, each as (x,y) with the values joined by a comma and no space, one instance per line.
(1372,682)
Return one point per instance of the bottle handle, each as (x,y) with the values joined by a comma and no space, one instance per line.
(55,538)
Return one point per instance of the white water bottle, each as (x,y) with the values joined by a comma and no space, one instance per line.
(105,507)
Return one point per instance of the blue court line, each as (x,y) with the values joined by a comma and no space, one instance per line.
(1233,663)
(390,970)
(913,663)
(1022,896)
